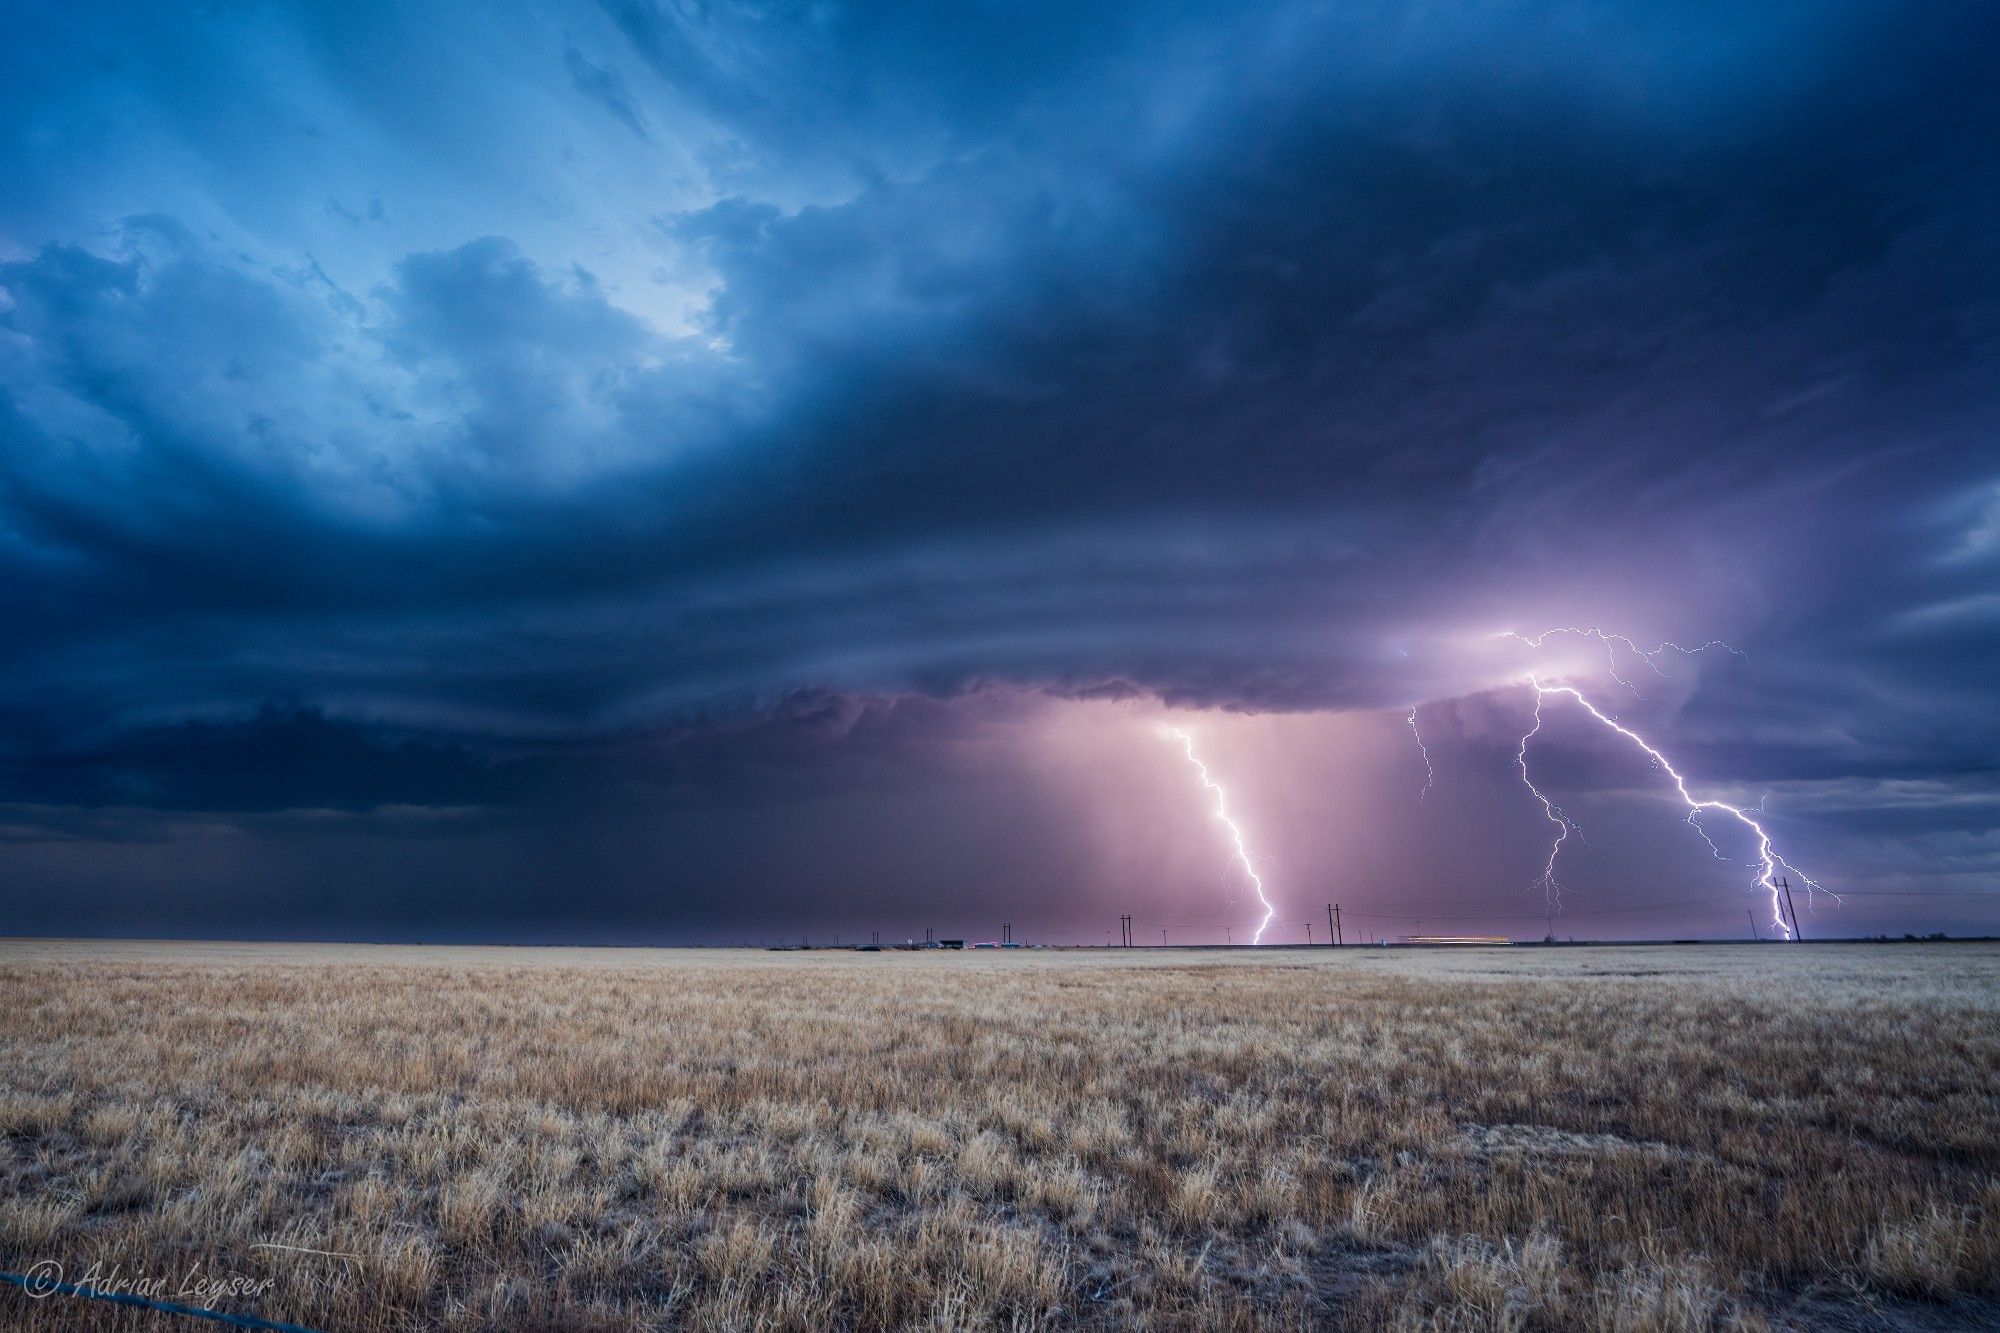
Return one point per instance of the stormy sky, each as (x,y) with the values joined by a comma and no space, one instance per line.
(680,472)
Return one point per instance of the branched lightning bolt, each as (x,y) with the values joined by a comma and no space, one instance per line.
(1611,644)
(1551,887)
(1235,832)
(1768,862)
(1430,774)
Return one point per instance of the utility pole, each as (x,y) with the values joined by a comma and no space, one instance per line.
(1786,885)
(1753,925)
(1333,924)
(1007,932)
(1163,937)
(1309,933)
(1125,931)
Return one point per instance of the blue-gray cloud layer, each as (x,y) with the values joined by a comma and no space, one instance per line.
(435,407)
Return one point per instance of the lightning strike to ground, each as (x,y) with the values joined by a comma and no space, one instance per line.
(1768,862)
(1235,831)
(1551,887)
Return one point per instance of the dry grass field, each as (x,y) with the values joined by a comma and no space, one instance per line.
(1630,1139)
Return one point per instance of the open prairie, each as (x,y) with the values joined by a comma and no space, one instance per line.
(403,1138)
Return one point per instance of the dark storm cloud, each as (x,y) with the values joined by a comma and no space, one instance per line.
(282,758)
(687,364)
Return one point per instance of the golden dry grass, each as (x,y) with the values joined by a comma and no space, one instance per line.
(1631,1139)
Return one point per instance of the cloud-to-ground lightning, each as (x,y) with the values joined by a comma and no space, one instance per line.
(1430,774)
(1768,862)
(1235,830)
(1551,887)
